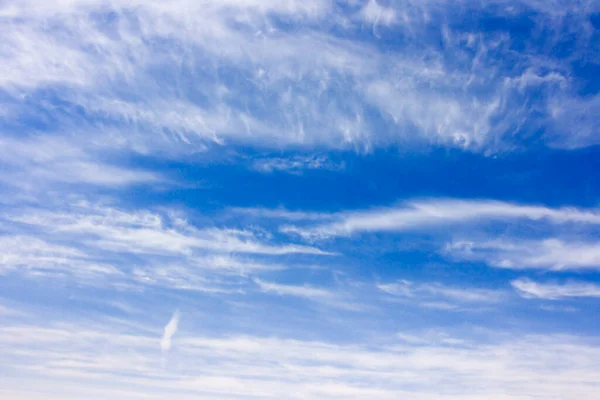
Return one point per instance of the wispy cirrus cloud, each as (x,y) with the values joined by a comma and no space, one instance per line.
(331,297)
(295,165)
(106,246)
(428,214)
(520,253)
(376,14)
(432,291)
(250,82)
(32,256)
(147,232)
(6,311)
(169,331)
(555,291)
(242,365)
(36,162)
(80,263)
(108,97)
(306,291)
(280,214)
(580,117)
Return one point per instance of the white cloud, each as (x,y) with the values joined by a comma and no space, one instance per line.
(306,291)
(280,213)
(519,253)
(322,296)
(553,291)
(10,312)
(215,273)
(91,244)
(295,165)
(422,214)
(104,57)
(274,58)
(75,360)
(169,331)
(185,277)
(426,292)
(579,116)
(82,264)
(375,13)
(450,120)
(238,265)
(32,256)
(32,163)
(147,232)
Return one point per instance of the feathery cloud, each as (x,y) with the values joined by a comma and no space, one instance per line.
(105,58)
(309,292)
(430,291)
(31,163)
(422,214)
(555,291)
(32,256)
(242,365)
(169,331)
(518,253)
(146,232)
(295,165)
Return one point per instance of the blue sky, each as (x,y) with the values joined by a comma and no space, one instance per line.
(287,199)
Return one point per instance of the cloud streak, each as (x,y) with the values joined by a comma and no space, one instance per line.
(431,291)
(304,291)
(554,291)
(429,214)
(517,253)
(151,233)
(31,163)
(346,96)
(32,256)
(236,365)
(295,165)
(169,331)
(105,246)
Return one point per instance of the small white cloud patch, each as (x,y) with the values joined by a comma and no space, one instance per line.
(170,330)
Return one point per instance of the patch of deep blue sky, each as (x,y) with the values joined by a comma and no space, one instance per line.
(526,171)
